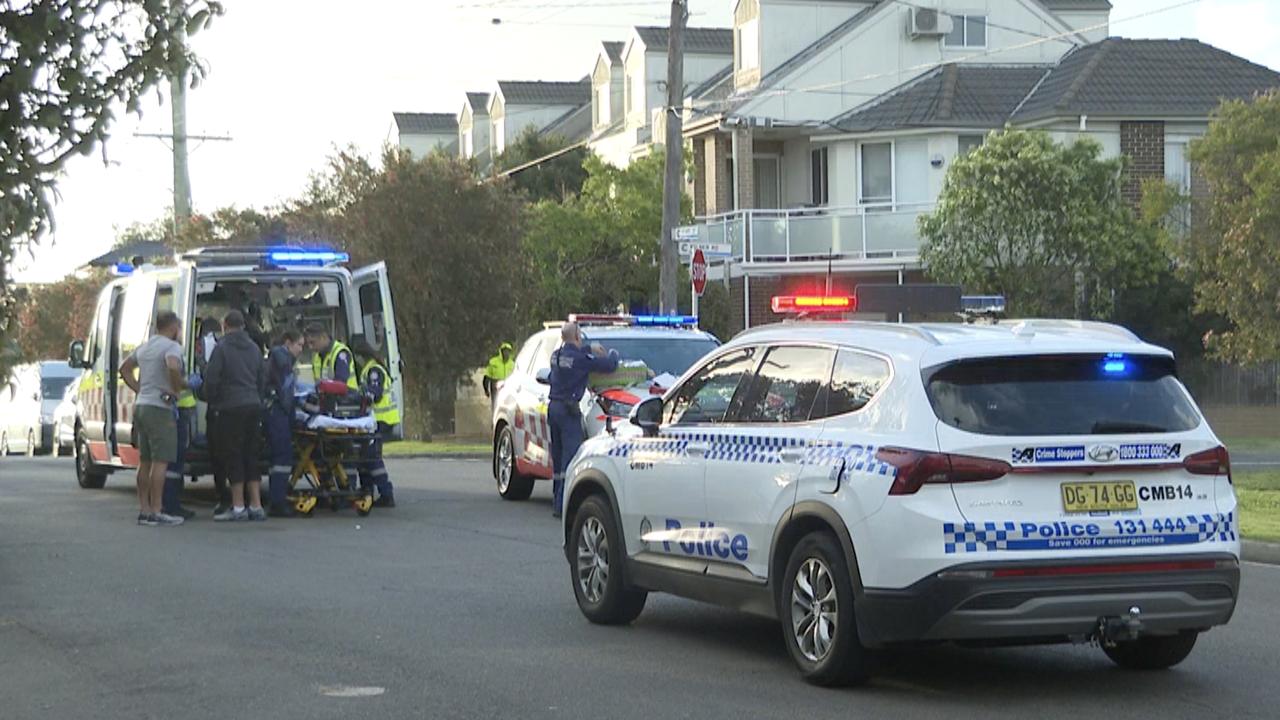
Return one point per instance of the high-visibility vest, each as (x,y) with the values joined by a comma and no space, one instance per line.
(323,367)
(186,399)
(386,410)
(499,369)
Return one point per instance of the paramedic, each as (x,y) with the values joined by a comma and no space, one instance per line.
(233,384)
(570,366)
(330,359)
(279,401)
(499,368)
(375,383)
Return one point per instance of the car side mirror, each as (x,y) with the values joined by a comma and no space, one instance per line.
(75,354)
(648,415)
(543,376)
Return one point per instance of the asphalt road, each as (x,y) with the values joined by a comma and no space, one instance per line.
(457,604)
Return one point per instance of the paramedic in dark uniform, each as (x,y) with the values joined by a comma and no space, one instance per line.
(281,380)
(375,383)
(570,366)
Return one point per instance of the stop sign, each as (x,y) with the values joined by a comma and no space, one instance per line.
(698,272)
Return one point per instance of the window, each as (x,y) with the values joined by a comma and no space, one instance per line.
(786,385)
(705,397)
(636,93)
(969,143)
(819,189)
(601,109)
(1061,395)
(967,31)
(136,317)
(543,358)
(747,36)
(626,94)
(877,173)
(661,356)
(856,378)
(525,358)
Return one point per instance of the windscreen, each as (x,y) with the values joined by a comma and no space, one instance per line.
(54,387)
(662,355)
(1061,395)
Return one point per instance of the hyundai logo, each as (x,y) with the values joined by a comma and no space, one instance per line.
(1104,453)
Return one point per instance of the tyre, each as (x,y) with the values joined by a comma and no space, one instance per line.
(816,609)
(596,569)
(88,477)
(1152,652)
(511,484)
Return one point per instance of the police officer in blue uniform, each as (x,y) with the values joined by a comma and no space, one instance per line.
(570,366)
(281,380)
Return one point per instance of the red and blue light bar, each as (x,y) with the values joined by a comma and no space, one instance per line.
(794,304)
(637,320)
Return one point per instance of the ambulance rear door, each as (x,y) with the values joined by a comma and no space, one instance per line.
(377,320)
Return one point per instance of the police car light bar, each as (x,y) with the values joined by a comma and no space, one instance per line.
(814,304)
(665,320)
(306,257)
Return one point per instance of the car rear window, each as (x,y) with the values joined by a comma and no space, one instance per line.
(1061,395)
(662,355)
(51,387)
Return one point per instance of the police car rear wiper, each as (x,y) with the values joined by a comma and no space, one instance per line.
(1108,427)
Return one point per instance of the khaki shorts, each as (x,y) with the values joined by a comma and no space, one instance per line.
(157,431)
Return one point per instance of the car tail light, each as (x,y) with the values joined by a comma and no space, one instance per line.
(917,468)
(1214,461)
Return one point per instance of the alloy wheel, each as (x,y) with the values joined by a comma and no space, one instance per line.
(593,559)
(814,612)
(504,461)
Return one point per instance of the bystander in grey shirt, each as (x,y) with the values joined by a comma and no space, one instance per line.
(154,387)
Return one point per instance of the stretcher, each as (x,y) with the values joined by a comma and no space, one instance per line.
(325,466)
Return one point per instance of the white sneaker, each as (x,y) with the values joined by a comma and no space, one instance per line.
(232,515)
(168,520)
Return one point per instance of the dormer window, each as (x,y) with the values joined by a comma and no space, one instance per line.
(967,31)
(746,45)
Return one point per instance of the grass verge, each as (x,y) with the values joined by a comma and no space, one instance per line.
(1258,492)
(446,447)
(1253,444)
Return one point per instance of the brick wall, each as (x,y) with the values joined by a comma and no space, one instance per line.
(746,182)
(1143,144)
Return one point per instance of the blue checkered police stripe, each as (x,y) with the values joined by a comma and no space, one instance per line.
(1087,534)
(755,449)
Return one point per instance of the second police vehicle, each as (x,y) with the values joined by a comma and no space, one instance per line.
(660,347)
(872,484)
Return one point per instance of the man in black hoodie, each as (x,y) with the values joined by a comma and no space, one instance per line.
(234,382)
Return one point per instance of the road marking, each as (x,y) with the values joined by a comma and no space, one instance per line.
(1269,566)
(351,691)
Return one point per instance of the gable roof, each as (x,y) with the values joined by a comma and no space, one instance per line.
(479,102)
(700,41)
(1144,78)
(717,87)
(518,92)
(833,36)
(963,96)
(613,50)
(1067,5)
(426,123)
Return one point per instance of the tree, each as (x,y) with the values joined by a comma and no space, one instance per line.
(451,246)
(51,316)
(1233,251)
(599,250)
(224,226)
(1041,223)
(556,179)
(65,68)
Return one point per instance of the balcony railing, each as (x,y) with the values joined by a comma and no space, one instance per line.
(863,232)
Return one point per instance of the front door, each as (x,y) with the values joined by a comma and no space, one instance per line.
(761,455)
(665,509)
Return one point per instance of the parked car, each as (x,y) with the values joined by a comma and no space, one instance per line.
(27,404)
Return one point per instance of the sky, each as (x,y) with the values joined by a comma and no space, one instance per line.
(289,81)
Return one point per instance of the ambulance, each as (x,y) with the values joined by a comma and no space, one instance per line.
(277,289)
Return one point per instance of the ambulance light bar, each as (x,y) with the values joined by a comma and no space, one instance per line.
(285,257)
(788,304)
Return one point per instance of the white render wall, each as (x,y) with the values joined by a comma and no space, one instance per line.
(519,117)
(1081,20)
(616,148)
(421,144)
(789,26)
(878,56)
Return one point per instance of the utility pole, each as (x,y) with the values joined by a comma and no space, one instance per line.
(673,181)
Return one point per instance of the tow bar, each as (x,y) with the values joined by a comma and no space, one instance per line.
(1113,630)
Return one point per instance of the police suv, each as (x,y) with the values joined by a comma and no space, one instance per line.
(666,344)
(875,484)
(276,289)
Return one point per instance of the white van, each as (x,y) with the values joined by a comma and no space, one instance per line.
(275,288)
(27,402)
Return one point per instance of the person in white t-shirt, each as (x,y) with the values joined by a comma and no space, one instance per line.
(158,381)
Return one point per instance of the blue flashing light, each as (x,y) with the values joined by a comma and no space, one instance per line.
(306,257)
(665,320)
(122,269)
(1115,364)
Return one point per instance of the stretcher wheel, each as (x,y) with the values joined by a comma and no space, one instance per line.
(304,505)
(363,504)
